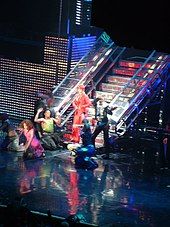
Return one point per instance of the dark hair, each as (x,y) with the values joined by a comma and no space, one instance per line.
(4,116)
(47,109)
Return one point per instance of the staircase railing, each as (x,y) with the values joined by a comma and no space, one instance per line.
(139,90)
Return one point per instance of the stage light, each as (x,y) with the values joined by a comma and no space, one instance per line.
(74,219)
(108,52)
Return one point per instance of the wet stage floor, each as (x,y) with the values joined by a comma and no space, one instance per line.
(127,190)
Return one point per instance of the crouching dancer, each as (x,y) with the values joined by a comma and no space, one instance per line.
(51,140)
(85,154)
(33,148)
(11,140)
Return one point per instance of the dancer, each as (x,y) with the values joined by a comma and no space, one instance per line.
(11,140)
(84,153)
(45,101)
(81,104)
(51,139)
(33,147)
(102,112)
(165,147)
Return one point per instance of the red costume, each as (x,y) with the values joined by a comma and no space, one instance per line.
(81,104)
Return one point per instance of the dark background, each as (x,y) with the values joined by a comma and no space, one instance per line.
(23,25)
(29,15)
(141,24)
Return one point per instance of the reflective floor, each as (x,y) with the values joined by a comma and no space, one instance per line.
(129,189)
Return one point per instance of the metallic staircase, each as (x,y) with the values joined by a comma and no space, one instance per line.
(102,56)
(126,78)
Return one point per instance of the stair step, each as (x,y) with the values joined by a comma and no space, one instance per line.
(133,64)
(107,87)
(129,72)
(118,79)
(124,71)
(107,96)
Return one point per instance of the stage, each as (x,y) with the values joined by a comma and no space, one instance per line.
(129,189)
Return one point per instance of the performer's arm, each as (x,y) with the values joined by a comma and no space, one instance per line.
(36,119)
(57,120)
(74,105)
(87,102)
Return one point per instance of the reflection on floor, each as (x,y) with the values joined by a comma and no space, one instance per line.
(129,189)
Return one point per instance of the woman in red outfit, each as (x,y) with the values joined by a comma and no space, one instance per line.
(81,104)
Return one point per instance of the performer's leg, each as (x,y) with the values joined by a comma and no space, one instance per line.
(168,153)
(162,153)
(96,132)
(48,143)
(106,140)
(5,143)
(57,139)
(106,135)
(76,129)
